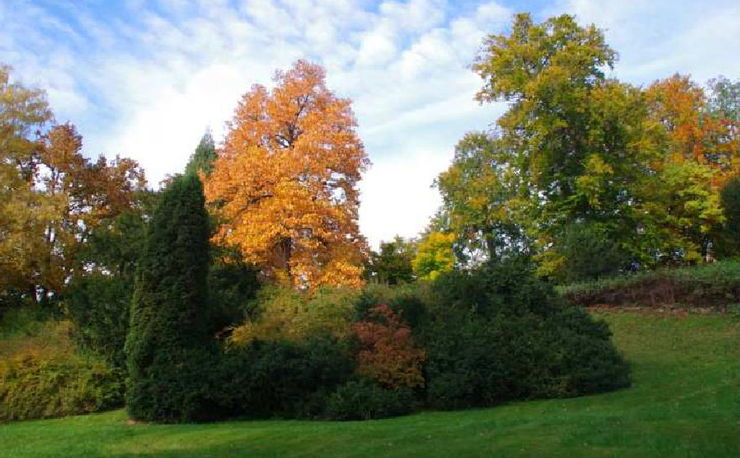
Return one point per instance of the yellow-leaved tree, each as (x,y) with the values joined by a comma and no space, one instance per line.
(284,184)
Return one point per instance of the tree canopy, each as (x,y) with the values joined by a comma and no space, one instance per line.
(284,185)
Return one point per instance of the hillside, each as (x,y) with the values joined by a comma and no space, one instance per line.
(684,402)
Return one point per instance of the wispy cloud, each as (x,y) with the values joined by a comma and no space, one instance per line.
(144,79)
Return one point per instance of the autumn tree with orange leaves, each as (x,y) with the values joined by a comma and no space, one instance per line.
(284,185)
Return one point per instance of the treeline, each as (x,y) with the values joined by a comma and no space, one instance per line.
(587,174)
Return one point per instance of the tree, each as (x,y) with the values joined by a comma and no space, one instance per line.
(168,339)
(52,196)
(434,256)
(729,237)
(392,263)
(24,113)
(204,156)
(284,184)
(698,153)
(571,135)
(480,195)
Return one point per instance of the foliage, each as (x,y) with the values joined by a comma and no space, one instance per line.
(204,156)
(364,400)
(388,354)
(672,394)
(98,305)
(729,234)
(263,379)
(51,195)
(479,193)
(284,184)
(588,253)
(499,333)
(392,265)
(42,376)
(167,346)
(232,289)
(642,168)
(286,314)
(408,302)
(434,256)
(704,286)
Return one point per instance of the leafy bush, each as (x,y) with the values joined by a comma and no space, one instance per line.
(98,305)
(388,353)
(406,301)
(168,344)
(506,287)
(499,334)
(287,314)
(364,400)
(232,288)
(264,379)
(42,376)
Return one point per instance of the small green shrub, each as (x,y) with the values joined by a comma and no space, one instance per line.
(44,376)
(364,400)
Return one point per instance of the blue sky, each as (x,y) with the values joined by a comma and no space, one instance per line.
(144,79)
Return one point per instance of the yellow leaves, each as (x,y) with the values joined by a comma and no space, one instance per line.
(434,256)
(284,183)
(290,315)
(595,174)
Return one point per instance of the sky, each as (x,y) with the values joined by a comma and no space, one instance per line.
(145,79)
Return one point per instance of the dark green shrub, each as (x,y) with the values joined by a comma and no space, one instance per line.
(42,375)
(406,301)
(364,400)
(582,355)
(499,334)
(168,340)
(505,287)
(264,379)
(98,305)
(232,287)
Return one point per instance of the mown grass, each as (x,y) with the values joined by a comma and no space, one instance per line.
(685,402)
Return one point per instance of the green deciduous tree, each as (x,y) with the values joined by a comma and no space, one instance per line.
(392,263)
(482,197)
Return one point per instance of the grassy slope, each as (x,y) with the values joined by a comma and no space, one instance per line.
(685,402)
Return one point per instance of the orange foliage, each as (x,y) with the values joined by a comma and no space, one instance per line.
(693,134)
(284,183)
(389,355)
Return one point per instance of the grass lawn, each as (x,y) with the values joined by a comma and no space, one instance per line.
(685,402)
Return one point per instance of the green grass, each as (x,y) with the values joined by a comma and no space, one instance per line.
(685,402)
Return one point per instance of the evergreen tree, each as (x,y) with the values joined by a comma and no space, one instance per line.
(203,157)
(167,344)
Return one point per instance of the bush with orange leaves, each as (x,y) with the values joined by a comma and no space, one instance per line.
(388,355)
